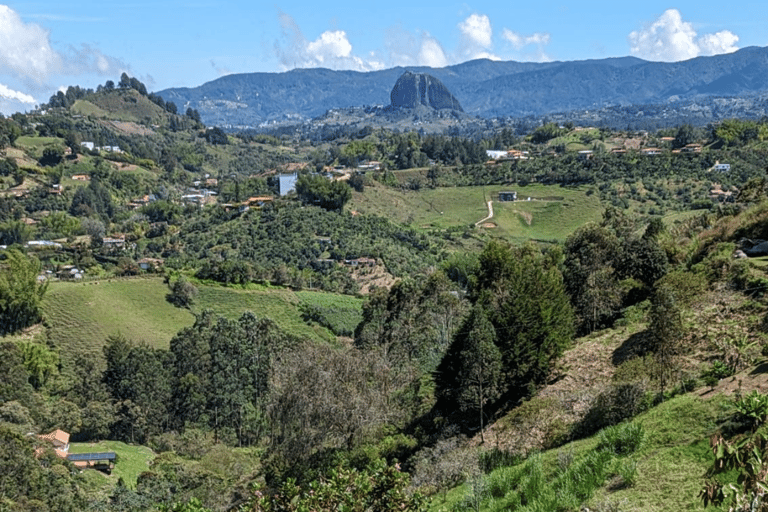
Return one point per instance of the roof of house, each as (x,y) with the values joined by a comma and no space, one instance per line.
(57,436)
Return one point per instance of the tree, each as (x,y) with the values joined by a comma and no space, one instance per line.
(193,114)
(479,364)
(52,156)
(182,293)
(20,291)
(666,328)
(319,190)
(521,292)
(125,81)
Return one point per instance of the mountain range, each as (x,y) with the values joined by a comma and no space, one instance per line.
(484,88)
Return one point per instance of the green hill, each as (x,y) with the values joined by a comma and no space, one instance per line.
(81,315)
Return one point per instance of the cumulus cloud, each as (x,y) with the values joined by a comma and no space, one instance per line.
(7,93)
(520,42)
(407,49)
(476,38)
(25,49)
(26,53)
(331,50)
(670,38)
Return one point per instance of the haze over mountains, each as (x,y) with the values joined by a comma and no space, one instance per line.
(484,88)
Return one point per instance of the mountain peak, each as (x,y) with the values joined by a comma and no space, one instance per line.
(414,89)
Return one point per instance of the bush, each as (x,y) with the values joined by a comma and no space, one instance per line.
(621,439)
(716,371)
(618,403)
(753,408)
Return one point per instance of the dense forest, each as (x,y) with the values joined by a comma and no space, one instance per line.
(464,335)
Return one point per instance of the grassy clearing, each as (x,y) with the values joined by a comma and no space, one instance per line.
(81,315)
(341,312)
(131,460)
(86,108)
(670,466)
(552,213)
(279,304)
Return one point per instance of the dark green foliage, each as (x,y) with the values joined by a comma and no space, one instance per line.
(318,190)
(753,407)
(182,294)
(522,294)
(14,386)
(414,321)
(14,232)
(665,325)
(139,381)
(623,439)
(30,482)
(93,199)
(608,267)
(216,135)
(221,369)
(618,403)
(716,371)
(52,156)
(20,291)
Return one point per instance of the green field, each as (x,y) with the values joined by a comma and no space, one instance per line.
(670,463)
(552,213)
(132,460)
(81,315)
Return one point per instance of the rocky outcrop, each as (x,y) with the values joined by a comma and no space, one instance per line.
(418,89)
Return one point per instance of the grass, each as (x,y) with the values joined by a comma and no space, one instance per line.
(341,312)
(552,213)
(131,460)
(81,315)
(670,463)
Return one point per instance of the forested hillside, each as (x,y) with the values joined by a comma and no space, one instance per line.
(548,320)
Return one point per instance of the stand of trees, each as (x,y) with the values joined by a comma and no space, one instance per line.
(20,291)
(521,322)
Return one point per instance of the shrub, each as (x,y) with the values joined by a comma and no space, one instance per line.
(618,403)
(627,470)
(716,371)
(753,408)
(621,439)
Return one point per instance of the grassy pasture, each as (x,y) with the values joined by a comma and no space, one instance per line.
(131,460)
(670,463)
(81,315)
(552,213)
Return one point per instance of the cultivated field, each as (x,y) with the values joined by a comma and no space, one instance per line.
(552,213)
(81,315)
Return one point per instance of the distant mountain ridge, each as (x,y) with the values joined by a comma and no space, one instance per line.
(484,88)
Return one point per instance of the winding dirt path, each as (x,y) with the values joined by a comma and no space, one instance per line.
(490,214)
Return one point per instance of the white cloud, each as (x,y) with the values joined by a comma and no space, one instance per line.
(520,41)
(671,39)
(26,53)
(330,45)
(331,50)
(476,38)
(407,49)
(477,29)
(25,49)
(431,53)
(720,42)
(9,94)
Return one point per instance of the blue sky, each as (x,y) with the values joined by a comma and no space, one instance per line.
(46,45)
